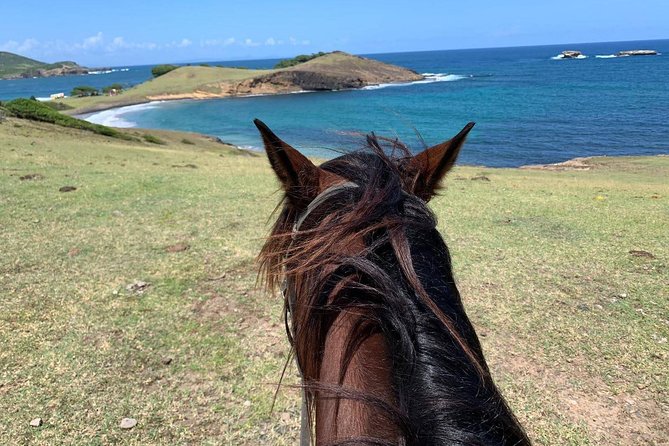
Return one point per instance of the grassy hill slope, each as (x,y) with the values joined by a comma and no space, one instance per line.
(331,71)
(564,275)
(13,65)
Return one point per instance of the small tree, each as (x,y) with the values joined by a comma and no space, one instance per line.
(84,90)
(298,60)
(113,87)
(159,70)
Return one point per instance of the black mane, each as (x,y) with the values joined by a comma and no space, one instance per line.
(403,284)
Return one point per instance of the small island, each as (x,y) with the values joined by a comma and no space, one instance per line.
(570,54)
(636,53)
(13,66)
(323,72)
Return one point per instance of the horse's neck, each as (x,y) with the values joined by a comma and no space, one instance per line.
(346,416)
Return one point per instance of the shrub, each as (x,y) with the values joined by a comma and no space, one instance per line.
(84,90)
(159,70)
(39,111)
(153,139)
(115,86)
(187,142)
(298,60)
(57,105)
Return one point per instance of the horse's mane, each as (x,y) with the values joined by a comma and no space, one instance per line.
(402,286)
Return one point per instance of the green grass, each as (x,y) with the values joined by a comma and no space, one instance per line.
(39,111)
(573,325)
(153,139)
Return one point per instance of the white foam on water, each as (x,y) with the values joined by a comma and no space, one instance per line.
(428,79)
(114,117)
(560,57)
(606,56)
(111,70)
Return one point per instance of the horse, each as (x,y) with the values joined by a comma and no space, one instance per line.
(374,318)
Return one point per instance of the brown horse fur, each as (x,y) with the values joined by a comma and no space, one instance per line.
(387,353)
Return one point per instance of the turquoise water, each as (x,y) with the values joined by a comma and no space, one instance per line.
(528,107)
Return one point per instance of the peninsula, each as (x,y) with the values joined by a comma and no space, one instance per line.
(13,66)
(331,71)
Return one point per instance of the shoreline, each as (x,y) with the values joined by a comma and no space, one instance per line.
(199,95)
(579,163)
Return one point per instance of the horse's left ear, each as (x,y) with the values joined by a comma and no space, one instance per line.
(299,177)
(426,170)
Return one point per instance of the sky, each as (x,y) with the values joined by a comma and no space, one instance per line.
(125,32)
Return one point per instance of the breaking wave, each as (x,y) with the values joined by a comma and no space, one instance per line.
(429,78)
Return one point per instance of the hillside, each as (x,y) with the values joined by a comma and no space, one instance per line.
(332,71)
(13,66)
(560,267)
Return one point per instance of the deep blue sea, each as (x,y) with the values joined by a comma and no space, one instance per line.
(529,107)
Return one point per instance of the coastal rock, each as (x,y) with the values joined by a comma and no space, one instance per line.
(572,164)
(636,53)
(571,54)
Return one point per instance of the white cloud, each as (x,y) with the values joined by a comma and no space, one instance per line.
(184,43)
(19,47)
(218,42)
(294,41)
(119,43)
(249,42)
(91,42)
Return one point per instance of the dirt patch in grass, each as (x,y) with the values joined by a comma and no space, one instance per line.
(177,247)
(572,164)
(612,419)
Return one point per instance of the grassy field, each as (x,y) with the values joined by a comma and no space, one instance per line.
(133,295)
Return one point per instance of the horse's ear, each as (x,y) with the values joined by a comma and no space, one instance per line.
(299,176)
(427,169)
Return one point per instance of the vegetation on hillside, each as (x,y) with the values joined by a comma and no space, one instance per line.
(38,111)
(83,91)
(115,87)
(159,70)
(285,63)
(15,65)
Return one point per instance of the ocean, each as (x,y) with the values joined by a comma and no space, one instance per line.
(529,107)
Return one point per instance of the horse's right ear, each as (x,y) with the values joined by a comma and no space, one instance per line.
(426,170)
(299,177)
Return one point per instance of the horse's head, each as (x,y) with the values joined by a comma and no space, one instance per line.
(376,321)
(347,197)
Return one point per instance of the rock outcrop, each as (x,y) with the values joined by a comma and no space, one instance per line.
(636,53)
(571,54)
